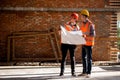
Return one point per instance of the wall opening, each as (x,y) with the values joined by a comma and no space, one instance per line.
(118,28)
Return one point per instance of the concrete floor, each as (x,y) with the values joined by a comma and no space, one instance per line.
(52,73)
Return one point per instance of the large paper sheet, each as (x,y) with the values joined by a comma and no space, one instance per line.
(72,37)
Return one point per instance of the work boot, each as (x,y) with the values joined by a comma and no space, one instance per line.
(88,76)
(82,74)
(61,74)
(73,74)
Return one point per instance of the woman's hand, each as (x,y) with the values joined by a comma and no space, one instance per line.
(84,35)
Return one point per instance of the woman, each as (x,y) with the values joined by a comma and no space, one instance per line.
(69,26)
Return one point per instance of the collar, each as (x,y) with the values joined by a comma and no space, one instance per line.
(85,21)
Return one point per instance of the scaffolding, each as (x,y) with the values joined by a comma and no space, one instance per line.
(48,36)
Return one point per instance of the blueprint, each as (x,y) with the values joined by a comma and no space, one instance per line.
(71,37)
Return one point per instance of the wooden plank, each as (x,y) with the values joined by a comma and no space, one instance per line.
(113,25)
(113,21)
(8,50)
(33,59)
(57,42)
(114,0)
(116,7)
(13,48)
(114,4)
(31,34)
(28,35)
(113,28)
(53,47)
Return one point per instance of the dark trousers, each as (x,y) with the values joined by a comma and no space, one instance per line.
(87,59)
(64,49)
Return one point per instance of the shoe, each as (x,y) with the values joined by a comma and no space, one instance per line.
(61,74)
(83,74)
(74,75)
(88,76)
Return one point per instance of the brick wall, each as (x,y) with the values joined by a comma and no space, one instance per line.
(54,3)
(15,21)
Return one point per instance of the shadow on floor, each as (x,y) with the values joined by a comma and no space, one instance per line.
(108,78)
(111,68)
(56,77)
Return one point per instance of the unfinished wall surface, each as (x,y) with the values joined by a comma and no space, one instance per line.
(13,19)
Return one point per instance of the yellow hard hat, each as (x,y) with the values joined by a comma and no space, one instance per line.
(85,12)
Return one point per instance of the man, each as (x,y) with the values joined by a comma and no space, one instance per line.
(69,26)
(88,31)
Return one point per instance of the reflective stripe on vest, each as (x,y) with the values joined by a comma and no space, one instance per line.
(86,31)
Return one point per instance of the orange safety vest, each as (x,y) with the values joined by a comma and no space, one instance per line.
(71,28)
(85,28)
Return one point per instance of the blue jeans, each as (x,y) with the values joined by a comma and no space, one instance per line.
(87,59)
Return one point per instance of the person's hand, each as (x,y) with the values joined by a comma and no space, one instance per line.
(83,35)
(59,32)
